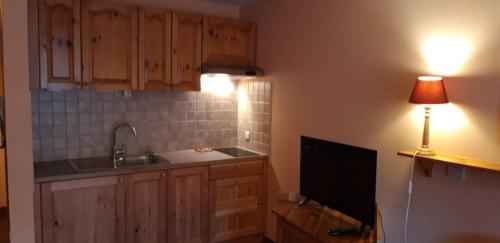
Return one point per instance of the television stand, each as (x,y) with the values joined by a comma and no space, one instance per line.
(314,223)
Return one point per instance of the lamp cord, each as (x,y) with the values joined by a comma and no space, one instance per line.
(382,224)
(410,189)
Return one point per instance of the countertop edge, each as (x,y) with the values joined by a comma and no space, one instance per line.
(150,168)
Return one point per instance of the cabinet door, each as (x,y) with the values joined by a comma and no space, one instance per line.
(82,211)
(235,192)
(231,224)
(109,38)
(186,51)
(146,208)
(188,205)
(155,49)
(59,40)
(228,41)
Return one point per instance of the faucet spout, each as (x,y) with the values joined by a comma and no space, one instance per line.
(119,153)
(128,125)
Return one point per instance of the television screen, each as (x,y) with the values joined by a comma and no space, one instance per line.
(339,176)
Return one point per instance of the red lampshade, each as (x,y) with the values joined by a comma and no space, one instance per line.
(429,90)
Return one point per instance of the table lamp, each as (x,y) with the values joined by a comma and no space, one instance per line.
(428,90)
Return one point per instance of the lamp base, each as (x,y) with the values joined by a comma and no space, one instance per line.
(425,151)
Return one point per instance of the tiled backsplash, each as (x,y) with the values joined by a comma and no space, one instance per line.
(254,115)
(75,124)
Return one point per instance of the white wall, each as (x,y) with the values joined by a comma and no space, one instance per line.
(343,70)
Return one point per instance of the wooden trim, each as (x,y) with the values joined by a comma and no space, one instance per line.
(236,169)
(215,205)
(133,41)
(175,69)
(168,50)
(33,42)
(84,183)
(264,194)
(47,213)
(38,213)
(142,56)
(77,42)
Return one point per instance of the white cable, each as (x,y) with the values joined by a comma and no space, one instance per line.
(410,189)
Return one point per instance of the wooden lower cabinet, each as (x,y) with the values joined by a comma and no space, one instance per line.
(235,192)
(236,200)
(82,211)
(146,208)
(235,223)
(187,210)
(178,205)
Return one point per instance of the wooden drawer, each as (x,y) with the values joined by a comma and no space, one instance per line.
(236,170)
(235,192)
(235,223)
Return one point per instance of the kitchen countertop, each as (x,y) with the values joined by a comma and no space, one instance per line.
(62,170)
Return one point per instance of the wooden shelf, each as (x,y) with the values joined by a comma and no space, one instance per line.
(428,161)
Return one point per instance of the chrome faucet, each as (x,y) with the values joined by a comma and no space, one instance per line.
(119,151)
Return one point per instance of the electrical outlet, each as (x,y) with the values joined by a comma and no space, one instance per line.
(247,136)
(127,93)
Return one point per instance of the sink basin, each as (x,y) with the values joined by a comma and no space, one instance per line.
(104,163)
(139,160)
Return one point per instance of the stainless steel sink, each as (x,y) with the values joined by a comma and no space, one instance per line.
(104,163)
(139,160)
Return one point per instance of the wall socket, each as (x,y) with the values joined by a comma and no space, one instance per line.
(247,136)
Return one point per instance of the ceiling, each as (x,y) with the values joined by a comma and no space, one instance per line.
(233,2)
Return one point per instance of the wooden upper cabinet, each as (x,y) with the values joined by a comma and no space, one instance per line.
(146,207)
(228,41)
(109,39)
(82,211)
(187,210)
(59,44)
(155,49)
(186,51)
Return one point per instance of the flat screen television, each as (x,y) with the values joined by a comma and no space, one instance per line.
(339,176)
